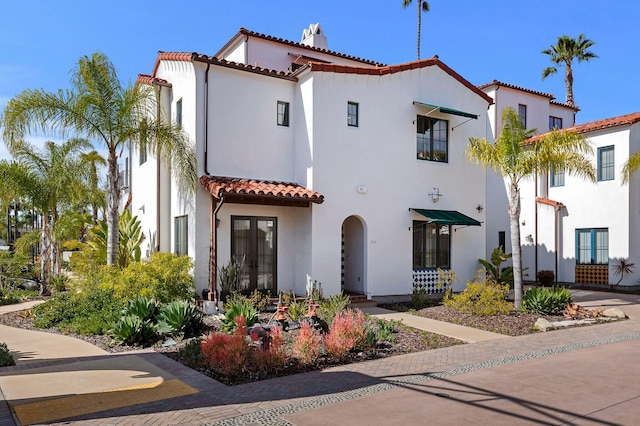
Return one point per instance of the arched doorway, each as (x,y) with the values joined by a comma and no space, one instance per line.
(353,256)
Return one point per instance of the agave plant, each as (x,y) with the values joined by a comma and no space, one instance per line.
(142,307)
(180,318)
(132,330)
(239,308)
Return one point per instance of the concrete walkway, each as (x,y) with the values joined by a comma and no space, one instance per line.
(558,377)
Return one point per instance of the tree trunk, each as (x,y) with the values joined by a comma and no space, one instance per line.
(568,81)
(113,207)
(419,24)
(45,256)
(55,245)
(516,257)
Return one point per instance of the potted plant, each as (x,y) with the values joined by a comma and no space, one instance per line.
(230,276)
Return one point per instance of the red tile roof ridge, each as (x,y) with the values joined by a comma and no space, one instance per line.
(250,33)
(150,80)
(591,126)
(513,86)
(391,69)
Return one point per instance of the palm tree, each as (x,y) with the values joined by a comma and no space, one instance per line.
(96,195)
(48,178)
(565,52)
(630,167)
(100,108)
(514,160)
(423,6)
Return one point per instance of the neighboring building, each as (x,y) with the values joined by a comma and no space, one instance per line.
(538,111)
(316,162)
(577,228)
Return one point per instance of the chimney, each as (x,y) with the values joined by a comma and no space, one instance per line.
(314,37)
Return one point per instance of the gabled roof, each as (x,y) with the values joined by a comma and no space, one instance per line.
(551,97)
(245,32)
(606,123)
(245,190)
(391,69)
(196,57)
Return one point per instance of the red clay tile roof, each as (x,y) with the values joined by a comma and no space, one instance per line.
(597,125)
(549,202)
(196,57)
(346,69)
(150,80)
(246,32)
(219,186)
(573,107)
(511,86)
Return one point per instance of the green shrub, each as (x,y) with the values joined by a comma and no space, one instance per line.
(260,301)
(83,313)
(297,310)
(545,277)
(386,330)
(330,307)
(180,318)
(419,297)
(11,296)
(6,359)
(544,301)
(481,297)
(59,282)
(236,308)
(132,330)
(165,277)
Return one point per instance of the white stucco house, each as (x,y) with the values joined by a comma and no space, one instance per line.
(316,162)
(568,225)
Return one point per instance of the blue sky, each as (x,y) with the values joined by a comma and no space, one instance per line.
(41,41)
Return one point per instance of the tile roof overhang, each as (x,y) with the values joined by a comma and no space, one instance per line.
(607,123)
(246,33)
(254,191)
(392,69)
(555,204)
(150,80)
(551,97)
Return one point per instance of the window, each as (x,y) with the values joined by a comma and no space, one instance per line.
(555,123)
(179,113)
(142,155)
(592,246)
(556,177)
(502,240)
(180,233)
(522,112)
(431,245)
(254,239)
(432,139)
(605,163)
(352,114)
(283,113)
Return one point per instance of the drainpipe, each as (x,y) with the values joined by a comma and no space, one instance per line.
(213,248)
(535,224)
(557,209)
(158,209)
(206,120)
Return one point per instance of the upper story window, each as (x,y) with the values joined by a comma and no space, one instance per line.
(283,113)
(432,139)
(142,155)
(606,163)
(179,113)
(522,112)
(556,177)
(555,123)
(352,114)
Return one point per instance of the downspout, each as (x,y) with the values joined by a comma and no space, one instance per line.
(206,120)
(557,209)
(158,165)
(213,249)
(535,224)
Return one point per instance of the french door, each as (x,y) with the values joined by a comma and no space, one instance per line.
(254,239)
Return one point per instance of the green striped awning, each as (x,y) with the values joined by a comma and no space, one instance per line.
(446,110)
(447,217)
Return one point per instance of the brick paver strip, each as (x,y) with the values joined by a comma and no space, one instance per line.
(263,403)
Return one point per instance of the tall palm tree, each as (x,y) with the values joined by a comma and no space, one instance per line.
(423,6)
(630,166)
(565,52)
(514,160)
(48,178)
(96,196)
(100,108)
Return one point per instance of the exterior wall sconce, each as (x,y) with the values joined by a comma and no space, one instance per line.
(480,208)
(435,195)
(529,238)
